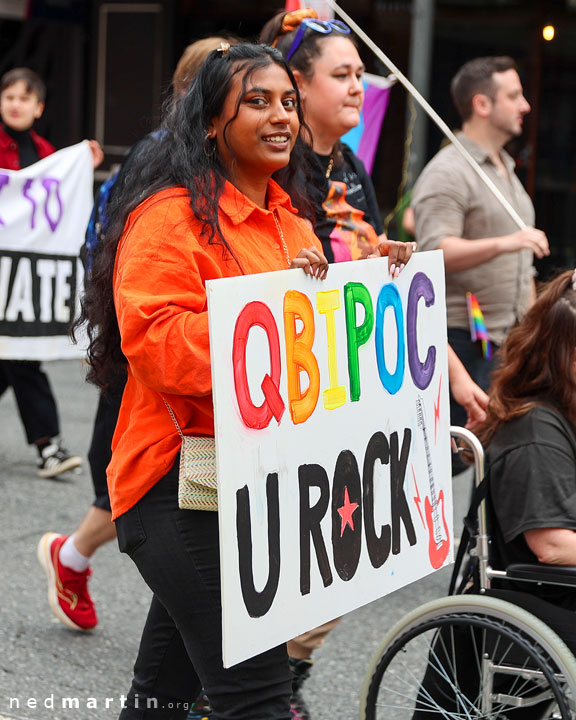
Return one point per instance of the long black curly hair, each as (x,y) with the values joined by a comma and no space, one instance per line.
(176,155)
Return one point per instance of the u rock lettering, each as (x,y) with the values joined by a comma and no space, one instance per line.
(350,504)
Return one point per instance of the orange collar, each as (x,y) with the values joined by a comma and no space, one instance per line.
(238,207)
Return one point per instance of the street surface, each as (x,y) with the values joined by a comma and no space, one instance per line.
(43,663)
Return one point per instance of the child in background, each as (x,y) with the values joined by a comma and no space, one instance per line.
(22,95)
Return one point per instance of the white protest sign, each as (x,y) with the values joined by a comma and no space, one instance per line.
(332,437)
(44,211)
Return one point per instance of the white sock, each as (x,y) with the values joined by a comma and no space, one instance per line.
(70,557)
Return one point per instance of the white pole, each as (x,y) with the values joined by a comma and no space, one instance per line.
(425,105)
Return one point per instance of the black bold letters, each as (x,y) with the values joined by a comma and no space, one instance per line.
(346,537)
(378,547)
(400,509)
(310,518)
(258,602)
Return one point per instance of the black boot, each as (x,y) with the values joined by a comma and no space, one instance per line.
(300,671)
(201,709)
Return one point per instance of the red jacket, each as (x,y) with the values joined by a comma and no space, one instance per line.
(9,158)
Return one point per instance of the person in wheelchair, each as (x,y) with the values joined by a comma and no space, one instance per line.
(530,436)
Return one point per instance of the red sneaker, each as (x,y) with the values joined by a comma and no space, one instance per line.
(67,589)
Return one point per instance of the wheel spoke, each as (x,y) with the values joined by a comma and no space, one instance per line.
(434,670)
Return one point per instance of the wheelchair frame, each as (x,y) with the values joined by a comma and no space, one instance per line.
(471,656)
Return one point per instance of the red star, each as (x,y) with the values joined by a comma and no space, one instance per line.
(346,512)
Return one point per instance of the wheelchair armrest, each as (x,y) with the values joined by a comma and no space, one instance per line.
(553,574)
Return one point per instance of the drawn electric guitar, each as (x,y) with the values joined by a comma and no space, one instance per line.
(438,536)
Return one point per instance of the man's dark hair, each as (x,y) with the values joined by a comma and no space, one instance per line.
(33,81)
(477,76)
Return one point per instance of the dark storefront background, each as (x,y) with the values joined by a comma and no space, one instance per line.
(108,67)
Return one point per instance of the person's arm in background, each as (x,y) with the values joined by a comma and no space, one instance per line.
(441,202)
(408,223)
(553,546)
(465,391)
(461,254)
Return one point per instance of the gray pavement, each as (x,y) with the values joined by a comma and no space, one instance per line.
(43,663)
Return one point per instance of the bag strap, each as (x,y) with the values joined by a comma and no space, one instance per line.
(469,531)
(174,419)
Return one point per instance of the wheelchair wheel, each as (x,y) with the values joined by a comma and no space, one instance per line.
(470,657)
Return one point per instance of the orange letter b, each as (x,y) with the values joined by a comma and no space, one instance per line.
(299,356)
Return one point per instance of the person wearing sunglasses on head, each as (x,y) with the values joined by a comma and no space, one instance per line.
(327,67)
(324,59)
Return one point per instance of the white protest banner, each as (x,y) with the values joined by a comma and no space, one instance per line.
(332,438)
(44,211)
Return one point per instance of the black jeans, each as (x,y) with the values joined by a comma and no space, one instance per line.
(479,368)
(34,397)
(177,554)
(100,452)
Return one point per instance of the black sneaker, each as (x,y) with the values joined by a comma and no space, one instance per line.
(298,708)
(300,671)
(55,460)
(201,709)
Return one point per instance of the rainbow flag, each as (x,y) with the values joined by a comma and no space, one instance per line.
(364,138)
(478,329)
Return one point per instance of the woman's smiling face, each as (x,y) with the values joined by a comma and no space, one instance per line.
(258,125)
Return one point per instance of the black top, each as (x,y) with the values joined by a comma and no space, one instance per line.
(26,149)
(532,476)
(347,215)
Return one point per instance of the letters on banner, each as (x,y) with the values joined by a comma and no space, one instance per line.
(333,442)
(44,211)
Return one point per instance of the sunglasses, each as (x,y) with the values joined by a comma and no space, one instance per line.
(321,26)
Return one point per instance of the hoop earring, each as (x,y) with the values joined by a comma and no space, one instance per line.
(212,146)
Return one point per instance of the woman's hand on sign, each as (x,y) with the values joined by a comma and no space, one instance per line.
(398,253)
(312,261)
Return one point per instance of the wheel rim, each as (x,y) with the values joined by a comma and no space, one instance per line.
(469,661)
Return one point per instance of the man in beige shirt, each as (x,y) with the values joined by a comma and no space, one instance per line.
(484,252)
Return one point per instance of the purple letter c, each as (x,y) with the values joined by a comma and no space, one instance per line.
(422,373)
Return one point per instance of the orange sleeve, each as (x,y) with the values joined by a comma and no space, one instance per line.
(160,300)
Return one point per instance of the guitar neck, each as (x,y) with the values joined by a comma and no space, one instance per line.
(429,463)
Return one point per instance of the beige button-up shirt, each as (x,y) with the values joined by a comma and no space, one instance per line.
(449,199)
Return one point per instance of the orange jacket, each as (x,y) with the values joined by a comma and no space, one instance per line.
(162,265)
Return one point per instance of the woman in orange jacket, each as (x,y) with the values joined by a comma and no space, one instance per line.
(204,205)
